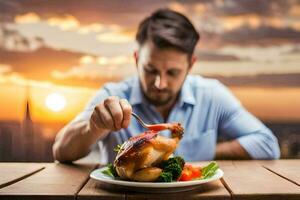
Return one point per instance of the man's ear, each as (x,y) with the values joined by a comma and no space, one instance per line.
(136,57)
(192,61)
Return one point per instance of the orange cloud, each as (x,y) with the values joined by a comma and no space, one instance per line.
(178,7)
(4,68)
(114,37)
(295,10)
(66,23)
(254,21)
(86,59)
(30,17)
(92,67)
(94,27)
(232,22)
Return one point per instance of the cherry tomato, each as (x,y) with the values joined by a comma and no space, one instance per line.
(190,172)
(185,176)
(196,172)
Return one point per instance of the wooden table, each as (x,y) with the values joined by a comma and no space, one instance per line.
(242,180)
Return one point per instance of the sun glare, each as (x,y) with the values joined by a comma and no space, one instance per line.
(55,102)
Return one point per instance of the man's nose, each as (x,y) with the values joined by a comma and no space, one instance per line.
(160,82)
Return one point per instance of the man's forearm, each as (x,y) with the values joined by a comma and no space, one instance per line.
(74,141)
(231,150)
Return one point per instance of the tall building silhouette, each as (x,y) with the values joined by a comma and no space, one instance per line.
(24,140)
(28,137)
(35,146)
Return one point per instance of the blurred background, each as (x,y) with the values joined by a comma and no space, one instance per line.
(55,54)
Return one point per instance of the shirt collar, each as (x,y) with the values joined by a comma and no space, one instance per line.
(185,96)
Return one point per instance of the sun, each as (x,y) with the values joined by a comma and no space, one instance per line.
(55,102)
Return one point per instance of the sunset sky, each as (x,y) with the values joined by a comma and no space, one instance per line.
(71,48)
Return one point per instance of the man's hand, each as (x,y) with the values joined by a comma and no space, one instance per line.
(75,139)
(112,114)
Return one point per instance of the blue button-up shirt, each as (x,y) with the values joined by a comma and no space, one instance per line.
(205,108)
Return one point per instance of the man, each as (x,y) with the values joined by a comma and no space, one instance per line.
(164,92)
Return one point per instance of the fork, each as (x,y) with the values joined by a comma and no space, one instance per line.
(154,127)
(146,126)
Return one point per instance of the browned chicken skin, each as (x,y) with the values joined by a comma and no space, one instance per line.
(139,156)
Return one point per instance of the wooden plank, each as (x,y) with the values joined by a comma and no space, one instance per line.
(56,181)
(96,190)
(14,172)
(288,169)
(250,180)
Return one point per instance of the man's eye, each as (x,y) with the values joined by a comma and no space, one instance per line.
(150,71)
(173,73)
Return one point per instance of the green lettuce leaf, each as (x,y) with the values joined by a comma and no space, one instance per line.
(110,171)
(209,170)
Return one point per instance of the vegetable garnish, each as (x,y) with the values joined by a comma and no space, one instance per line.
(209,170)
(191,172)
(110,171)
(165,177)
(175,169)
(118,148)
(172,169)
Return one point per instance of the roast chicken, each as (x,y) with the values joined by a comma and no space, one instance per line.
(138,158)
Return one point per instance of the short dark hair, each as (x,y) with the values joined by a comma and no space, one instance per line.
(168,29)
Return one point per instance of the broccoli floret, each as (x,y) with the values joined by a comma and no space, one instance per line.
(177,160)
(165,177)
(171,166)
(175,169)
(180,161)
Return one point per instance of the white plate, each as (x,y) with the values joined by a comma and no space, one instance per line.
(155,187)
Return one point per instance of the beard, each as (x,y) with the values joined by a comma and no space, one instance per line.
(159,97)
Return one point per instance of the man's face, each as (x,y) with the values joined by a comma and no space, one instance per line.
(161,73)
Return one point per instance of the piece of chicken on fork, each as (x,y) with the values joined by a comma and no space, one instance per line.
(139,157)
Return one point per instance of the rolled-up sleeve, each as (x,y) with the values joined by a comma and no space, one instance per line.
(237,123)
